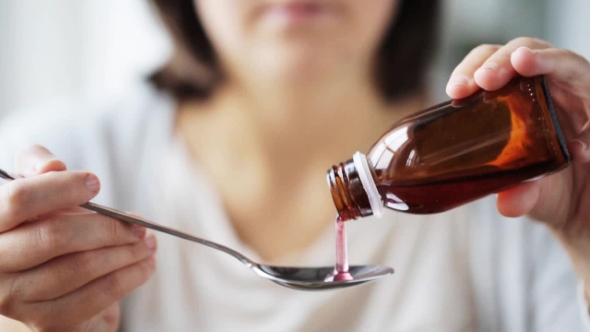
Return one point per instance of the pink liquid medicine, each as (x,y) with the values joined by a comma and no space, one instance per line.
(340,272)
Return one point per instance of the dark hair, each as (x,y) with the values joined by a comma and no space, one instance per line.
(400,67)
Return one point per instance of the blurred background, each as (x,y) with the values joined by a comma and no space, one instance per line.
(51,50)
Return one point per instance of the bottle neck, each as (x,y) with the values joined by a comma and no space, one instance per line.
(353,190)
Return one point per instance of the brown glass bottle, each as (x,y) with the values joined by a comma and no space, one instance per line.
(454,153)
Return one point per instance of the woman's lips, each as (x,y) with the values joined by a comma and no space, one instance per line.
(297,12)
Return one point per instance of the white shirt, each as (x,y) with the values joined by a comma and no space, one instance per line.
(465,270)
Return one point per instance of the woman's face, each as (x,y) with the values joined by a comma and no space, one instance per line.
(295,40)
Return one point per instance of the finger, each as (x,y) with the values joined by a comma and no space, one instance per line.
(461,83)
(27,198)
(498,70)
(561,65)
(518,201)
(35,243)
(35,160)
(571,69)
(96,296)
(67,273)
(66,211)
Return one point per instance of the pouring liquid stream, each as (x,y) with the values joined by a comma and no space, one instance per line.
(340,272)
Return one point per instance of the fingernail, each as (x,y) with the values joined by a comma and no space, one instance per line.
(490,65)
(524,48)
(150,241)
(39,166)
(92,183)
(458,80)
(139,231)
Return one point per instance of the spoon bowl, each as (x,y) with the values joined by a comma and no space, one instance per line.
(301,278)
(314,278)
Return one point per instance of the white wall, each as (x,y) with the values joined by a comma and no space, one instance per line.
(467,23)
(569,25)
(61,48)
(38,40)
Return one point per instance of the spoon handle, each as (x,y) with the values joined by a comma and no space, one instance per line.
(119,215)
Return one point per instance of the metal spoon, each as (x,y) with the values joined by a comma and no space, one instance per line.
(302,278)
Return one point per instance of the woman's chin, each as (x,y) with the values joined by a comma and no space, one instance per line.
(300,65)
(298,73)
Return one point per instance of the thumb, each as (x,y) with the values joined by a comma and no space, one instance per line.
(35,160)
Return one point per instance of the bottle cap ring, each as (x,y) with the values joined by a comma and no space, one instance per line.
(366,177)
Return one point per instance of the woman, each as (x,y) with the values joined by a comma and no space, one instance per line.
(258,101)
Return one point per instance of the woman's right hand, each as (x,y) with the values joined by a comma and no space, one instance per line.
(62,268)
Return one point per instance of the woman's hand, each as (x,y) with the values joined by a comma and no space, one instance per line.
(561,200)
(63,268)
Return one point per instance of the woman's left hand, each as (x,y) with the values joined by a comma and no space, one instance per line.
(561,200)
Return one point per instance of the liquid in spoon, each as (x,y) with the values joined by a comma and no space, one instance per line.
(340,272)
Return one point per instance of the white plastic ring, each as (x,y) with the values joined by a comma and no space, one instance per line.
(364,172)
